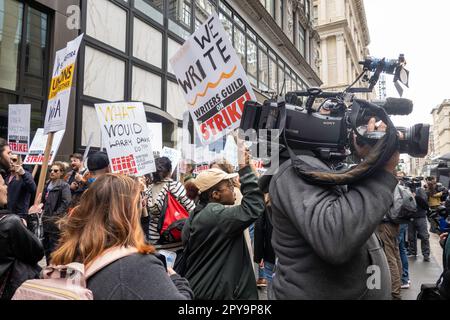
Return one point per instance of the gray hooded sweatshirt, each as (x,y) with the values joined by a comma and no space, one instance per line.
(324,237)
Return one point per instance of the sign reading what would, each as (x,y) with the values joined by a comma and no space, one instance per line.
(127,138)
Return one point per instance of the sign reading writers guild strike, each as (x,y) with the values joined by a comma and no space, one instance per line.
(213,81)
(59,95)
(19,116)
(126,136)
(36,154)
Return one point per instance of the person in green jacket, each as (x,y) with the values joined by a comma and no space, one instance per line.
(218,264)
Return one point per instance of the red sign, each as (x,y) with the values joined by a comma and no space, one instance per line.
(124,165)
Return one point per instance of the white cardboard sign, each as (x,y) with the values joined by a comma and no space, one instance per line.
(36,154)
(62,77)
(19,116)
(126,136)
(174,156)
(213,81)
(156,139)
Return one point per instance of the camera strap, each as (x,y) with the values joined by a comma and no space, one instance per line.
(379,155)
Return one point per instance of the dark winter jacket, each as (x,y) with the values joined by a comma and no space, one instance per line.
(138,277)
(263,239)
(218,264)
(82,187)
(422,204)
(324,238)
(56,204)
(20,251)
(20,191)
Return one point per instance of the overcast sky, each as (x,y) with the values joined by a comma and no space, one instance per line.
(421,31)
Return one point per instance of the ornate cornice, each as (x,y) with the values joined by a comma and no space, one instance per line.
(359,6)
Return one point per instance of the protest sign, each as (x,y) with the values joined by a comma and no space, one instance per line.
(213,81)
(173,155)
(156,139)
(19,116)
(126,136)
(61,84)
(37,149)
(231,151)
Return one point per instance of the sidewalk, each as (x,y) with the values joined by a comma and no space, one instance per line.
(424,272)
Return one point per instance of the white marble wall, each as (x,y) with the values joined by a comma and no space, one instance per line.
(146,87)
(172,48)
(104,76)
(147,43)
(90,125)
(107,22)
(176,104)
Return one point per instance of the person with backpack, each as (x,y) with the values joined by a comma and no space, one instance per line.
(56,199)
(106,227)
(20,250)
(217,260)
(418,227)
(159,191)
(389,231)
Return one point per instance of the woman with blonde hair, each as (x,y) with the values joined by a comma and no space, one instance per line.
(108,218)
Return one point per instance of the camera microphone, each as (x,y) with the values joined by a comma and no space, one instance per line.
(397,106)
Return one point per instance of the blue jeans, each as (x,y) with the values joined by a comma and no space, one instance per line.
(267,271)
(403,254)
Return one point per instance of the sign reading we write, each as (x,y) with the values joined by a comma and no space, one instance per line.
(213,81)
(19,116)
(62,78)
(36,154)
(126,135)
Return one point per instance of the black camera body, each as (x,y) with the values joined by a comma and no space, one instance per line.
(329,134)
(325,134)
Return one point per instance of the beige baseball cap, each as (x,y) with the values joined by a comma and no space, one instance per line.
(209,178)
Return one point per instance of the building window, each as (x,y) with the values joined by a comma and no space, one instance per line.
(239,45)
(263,70)
(270,6)
(227,25)
(151,8)
(203,9)
(301,39)
(180,14)
(252,62)
(107,22)
(11,21)
(24,65)
(273,74)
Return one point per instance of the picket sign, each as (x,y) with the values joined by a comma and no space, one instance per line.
(213,81)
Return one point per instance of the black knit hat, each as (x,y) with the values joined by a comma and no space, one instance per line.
(98,161)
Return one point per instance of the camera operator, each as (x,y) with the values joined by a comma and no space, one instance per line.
(323,236)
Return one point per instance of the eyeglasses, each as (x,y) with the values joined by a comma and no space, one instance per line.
(55,171)
(14,159)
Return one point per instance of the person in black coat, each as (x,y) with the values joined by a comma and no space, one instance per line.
(5,162)
(21,187)
(20,250)
(56,199)
(264,254)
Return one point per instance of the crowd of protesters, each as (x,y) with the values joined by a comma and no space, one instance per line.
(87,212)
